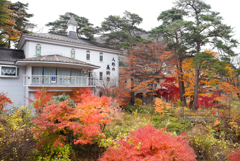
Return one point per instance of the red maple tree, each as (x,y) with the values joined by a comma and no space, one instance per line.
(169,91)
(207,101)
(84,122)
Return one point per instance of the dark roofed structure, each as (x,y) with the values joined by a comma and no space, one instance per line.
(11,54)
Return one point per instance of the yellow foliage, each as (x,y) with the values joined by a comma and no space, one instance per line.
(138,102)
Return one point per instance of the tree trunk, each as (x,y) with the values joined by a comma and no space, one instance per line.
(132,92)
(9,44)
(196,86)
(181,84)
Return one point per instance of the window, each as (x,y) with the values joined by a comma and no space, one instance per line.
(108,79)
(38,49)
(108,67)
(101,57)
(88,55)
(101,76)
(73,53)
(8,71)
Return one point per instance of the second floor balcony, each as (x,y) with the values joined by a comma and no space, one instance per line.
(58,81)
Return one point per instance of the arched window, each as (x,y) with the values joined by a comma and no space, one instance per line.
(101,57)
(88,55)
(73,53)
(38,49)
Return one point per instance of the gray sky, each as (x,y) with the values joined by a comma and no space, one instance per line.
(96,10)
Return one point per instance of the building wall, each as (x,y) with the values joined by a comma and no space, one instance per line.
(14,88)
(80,54)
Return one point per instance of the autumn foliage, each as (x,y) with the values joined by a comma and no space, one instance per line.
(147,63)
(235,155)
(4,100)
(169,91)
(148,143)
(162,107)
(42,97)
(207,101)
(58,120)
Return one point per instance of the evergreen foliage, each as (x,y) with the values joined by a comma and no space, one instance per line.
(84,29)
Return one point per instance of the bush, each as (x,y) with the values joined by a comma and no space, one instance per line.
(206,146)
(234,155)
(173,124)
(62,98)
(120,128)
(148,143)
(16,138)
(54,153)
(138,102)
(141,109)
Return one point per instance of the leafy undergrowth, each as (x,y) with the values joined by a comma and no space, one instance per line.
(121,127)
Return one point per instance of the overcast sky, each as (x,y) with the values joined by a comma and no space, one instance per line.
(96,10)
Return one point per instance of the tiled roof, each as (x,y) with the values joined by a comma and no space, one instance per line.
(11,54)
(58,58)
(60,37)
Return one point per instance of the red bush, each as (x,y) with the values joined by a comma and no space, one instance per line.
(148,143)
(234,156)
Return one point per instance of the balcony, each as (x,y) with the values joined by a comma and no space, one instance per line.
(58,81)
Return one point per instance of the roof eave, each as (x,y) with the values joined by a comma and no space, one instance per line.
(26,62)
(25,38)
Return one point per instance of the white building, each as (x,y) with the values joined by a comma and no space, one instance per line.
(59,63)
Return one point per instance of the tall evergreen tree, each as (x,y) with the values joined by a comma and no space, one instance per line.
(84,29)
(207,29)
(190,26)
(122,32)
(173,30)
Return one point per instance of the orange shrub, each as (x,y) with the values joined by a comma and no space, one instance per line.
(162,107)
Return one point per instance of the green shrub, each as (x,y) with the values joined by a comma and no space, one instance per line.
(120,128)
(206,146)
(62,98)
(51,153)
(140,109)
(173,124)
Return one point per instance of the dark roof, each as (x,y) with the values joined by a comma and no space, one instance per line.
(11,54)
(72,21)
(57,58)
(61,37)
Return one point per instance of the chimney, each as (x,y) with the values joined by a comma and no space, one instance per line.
(72,28)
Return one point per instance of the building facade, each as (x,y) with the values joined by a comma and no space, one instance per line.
(59,63)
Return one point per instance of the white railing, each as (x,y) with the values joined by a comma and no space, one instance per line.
(58,80)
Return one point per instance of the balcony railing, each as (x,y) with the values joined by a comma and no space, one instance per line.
(58,80)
